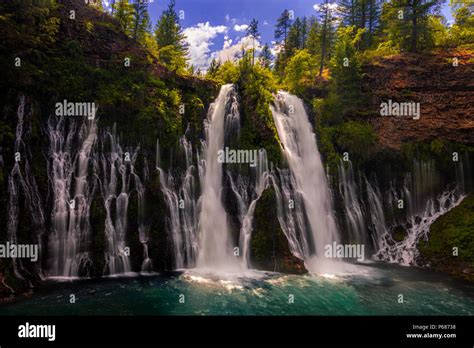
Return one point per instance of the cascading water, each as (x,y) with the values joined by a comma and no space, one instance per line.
(215,249)
(406,251)
(69,238)
(247,196)
(22,181)
(117,174)
(377,216)
(179,192)
(354,215)
(305,163)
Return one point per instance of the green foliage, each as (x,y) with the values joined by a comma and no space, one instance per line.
(224,73)
(300,72)
(313,42)
(170,39)
(362,15)
(462,31)
(345,63)
(406,23)
(172,58)
(124,13)
(455,229)
(269,248)
(282,27)
(252,31)
(356,138)
(327,33)
(266,57)
(141,21)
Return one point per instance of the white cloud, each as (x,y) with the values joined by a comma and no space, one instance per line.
(227,17)
(265,23)
(227,42)
(199,39)
(242,27)
(230,52)
(332,6)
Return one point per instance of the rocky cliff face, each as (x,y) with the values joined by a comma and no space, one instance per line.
(445,93)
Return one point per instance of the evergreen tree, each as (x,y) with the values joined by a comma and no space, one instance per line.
(327,32)
(282,30)
(406,23)
(252,31)
(349,11)
(124,12)
(462,31)
(141,20)
(361,14)
(373,21)
(266,57)
(213,67)
(283,27)
(313,42)
(172,49)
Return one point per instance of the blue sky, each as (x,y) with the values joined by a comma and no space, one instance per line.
(216,28)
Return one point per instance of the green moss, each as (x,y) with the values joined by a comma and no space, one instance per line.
(455,229)
(399,233)
(269,248)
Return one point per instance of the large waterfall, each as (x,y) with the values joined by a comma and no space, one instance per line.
(210,204)
(305,163)
(215,248)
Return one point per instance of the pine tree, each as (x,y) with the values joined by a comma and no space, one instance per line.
(373,21)
(124,14)
(172,49)
(213,67)
(252,31)
(313,42)
(283,27)
(406,23)
(266,57)
(349,11)
(141,20)
(361,14)
(326,33)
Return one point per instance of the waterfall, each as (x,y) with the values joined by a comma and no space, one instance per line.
(72,194)
(179,192)
(215,249)
(377,215)
(306,167)
(292,221)
(354,215)
(406,251)
(117,174)
(22,183)
(247,195)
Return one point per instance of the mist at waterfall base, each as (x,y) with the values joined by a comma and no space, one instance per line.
(371,291)
(211,277)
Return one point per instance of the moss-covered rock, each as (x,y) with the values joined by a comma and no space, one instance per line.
(399,233)
(455,229)
(269,248)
